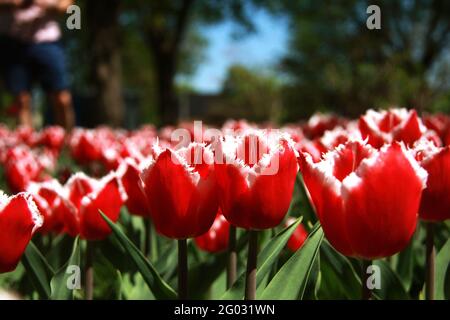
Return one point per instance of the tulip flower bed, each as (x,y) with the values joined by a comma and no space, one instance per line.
(331,208)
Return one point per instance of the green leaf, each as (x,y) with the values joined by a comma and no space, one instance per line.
(133,287)
(159,288)
(59,283)
(218,287)
(290,282)
(266,259)
(60,250)
(38,270)
(166,265)
(314,281)
(447,285)
(203,274)
(307,207)
(405,266)
(339,278)
(391,285)
(442,273)
(107,279)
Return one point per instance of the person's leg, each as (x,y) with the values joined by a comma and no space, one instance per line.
(50,64)
(17,78)
(62,108)
(25,115)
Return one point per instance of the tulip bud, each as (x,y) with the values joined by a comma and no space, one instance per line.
(216,239)
(298,237)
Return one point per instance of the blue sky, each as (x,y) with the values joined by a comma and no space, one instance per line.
(260,49)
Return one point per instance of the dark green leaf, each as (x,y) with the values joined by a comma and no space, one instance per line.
(266,259)
(159,288)
(290,282)
(70,272)
(391,287)
(203,274)
(38,270)
(60,250)
(339,278)
(442,273)
(133,287)
(307,208)
(447,285)
(168,259)
(405,266)
(107,279)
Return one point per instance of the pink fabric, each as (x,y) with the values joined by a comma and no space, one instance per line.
(32,24)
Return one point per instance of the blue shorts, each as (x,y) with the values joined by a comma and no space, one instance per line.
(23,64)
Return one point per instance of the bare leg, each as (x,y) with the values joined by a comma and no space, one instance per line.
(23,101)
(63,110)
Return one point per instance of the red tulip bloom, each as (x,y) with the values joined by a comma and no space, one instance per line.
(26,135)
(319,123)
(216,239)
(439,123)
(367,200)
(52,137)
(314,148)
(435,203)
(181,195)
(85,146)
(256,179)
(339,135)
(21,167)
(392,125)
(60,215)
(43,209)
(233,126)
(89,196)
(129,173)
(19,219)
(298,237)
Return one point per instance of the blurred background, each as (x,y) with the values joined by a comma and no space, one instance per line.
(161,62)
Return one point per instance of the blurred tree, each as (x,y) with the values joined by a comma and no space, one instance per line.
(335,62)
(103,43)
(138,73)
(249,94)
(109,62)
(164,26)
(109,57)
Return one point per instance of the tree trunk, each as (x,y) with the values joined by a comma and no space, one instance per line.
(167,96)
(105,61)
(165,43)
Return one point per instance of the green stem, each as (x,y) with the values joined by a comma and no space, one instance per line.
(250,281)
(147,237)
(232,258)
(182,270)
(89,284)
(366,293)
(153,243)
(430,261)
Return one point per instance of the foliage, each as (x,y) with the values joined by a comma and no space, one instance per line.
(336,63)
